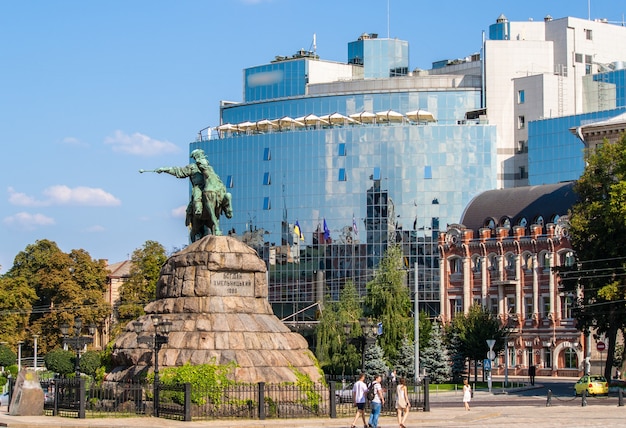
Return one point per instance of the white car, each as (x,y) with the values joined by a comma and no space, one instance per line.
(344,395)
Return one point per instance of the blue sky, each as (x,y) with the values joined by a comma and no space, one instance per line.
(93,91)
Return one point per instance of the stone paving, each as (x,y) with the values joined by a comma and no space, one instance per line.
(487,410)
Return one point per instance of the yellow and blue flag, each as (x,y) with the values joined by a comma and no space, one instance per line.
(298,231)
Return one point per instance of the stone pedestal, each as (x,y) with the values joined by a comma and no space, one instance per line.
(214,292)
(27,399)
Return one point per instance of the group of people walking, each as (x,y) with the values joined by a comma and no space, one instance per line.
(376,398)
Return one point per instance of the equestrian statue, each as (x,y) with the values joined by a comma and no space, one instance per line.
(209,198)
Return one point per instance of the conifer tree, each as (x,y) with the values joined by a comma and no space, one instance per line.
(434,359)
(405,364)
(374,363)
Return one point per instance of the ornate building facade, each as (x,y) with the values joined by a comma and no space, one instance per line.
(502,257)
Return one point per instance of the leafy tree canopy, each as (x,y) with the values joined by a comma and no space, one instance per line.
(336,353)
(89,362)
(140,289)
(60,361)
(7,356)
(65,286)
(474,329)
(388,300)
(598,228)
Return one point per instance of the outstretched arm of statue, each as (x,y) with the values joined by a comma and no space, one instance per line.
(176,171)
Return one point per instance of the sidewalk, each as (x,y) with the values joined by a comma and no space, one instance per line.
(482,414)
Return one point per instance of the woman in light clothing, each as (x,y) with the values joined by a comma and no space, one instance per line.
(402,402)
(467,394)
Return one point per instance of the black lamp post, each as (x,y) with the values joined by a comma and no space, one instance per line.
(369,334)
(77,342)
(156,340)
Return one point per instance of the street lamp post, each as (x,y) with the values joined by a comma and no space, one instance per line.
(35,336)
(156,340)
(77,342)
(369,333)
(19,355)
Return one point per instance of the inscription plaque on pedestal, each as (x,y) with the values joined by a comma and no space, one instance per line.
(232,284)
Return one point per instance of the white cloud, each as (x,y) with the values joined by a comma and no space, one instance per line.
(22,199)
(95,229)
(72,141)
(63,195)
(28,221)
(139,144)
(180,212)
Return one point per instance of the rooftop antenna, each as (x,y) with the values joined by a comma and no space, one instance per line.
(387,18)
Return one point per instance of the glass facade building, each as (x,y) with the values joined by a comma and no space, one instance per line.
(321,201)
(555,153)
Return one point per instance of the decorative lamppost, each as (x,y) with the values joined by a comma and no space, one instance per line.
(156,340)
(77,342)
(19,355)
(369,334)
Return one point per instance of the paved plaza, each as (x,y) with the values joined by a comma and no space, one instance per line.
(488,410)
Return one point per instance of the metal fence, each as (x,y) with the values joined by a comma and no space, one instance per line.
(79,398)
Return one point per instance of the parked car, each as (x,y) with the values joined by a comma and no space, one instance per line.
(4,399)
(344,395)
(593,384)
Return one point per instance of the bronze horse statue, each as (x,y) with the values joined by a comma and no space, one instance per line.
(215,202)
(209,198)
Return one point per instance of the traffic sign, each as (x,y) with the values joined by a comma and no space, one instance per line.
(600,346)
(491,355)
(487,364)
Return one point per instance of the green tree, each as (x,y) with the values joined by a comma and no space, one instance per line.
(473,331)
(375,362)
(405,363)
(89,362)
(66,286)
(388,300)
(405,360)
(598,228)
(336,353)
(140,289)
(7,356)
(16,300)
(60,361)
(435,359)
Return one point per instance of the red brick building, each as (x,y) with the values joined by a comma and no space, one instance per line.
(501,257)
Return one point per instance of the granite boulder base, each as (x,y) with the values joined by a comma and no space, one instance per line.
(214,292)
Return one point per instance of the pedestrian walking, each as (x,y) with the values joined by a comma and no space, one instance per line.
(359,391)
(377,403)
(402,402)
(467,394)
(531,373)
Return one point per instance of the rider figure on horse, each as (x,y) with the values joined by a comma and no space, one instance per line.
(208,195)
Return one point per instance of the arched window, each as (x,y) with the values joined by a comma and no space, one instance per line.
(505,222)
(493,262)
(476,264)
(527,262)
(570,359)
(490,223)
(456,266)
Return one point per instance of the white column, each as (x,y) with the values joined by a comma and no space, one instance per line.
(484,286)
(467,285)
(535,286)
(551,287)
(519,305)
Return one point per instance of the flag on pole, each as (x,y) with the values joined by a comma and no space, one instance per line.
(355,230)
(298,231)
(326,231)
